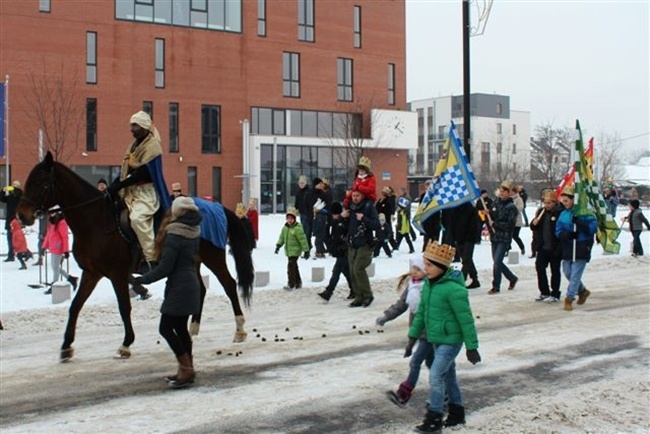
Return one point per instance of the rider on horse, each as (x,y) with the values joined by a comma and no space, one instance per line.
(142,183)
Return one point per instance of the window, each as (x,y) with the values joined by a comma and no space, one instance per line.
(191,181)
(306,20)
(391,83)
(485,157)
(222,15)
(291,74)
(160,63)
(357,27)
(173,127)
(261,17)
(91,124)
(499,128)
(91,57)
(147,107)
(44,5)
(514,129)
(216,184)
(210,129)
(499,108)
(514,148)
(344,74)
(499,147)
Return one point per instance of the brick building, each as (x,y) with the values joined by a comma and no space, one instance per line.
(227,83)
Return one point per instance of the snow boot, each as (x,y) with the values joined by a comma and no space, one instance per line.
(402,395)
(172,378)
(474,284)
(326,295)
(185,375)
(582,296)
(456,415)
(432,423)
(568,304)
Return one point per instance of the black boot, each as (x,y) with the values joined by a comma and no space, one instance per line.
(326,295)
(456,415)
(432,423)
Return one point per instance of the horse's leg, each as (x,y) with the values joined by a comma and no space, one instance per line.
(195,325)
(88,282)
(215,260)
(121,288)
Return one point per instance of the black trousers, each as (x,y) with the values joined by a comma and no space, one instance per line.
(341,266)
(399,239)
(174,329)
(293,272)
(543,259)
(466,252)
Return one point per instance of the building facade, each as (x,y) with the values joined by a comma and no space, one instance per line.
(499,137)
(235,88)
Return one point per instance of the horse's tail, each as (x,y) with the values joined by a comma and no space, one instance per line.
(242,254)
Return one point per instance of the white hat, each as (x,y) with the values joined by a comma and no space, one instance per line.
(183,204)
(417,261)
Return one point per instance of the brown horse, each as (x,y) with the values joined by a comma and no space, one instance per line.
(101,251)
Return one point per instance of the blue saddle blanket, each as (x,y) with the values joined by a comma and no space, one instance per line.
(214,225)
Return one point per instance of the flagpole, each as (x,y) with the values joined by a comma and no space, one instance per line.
(6,135)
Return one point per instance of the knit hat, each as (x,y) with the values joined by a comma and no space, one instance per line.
(182,205)
(102,181)
(439,254)
(16,184)
(336,208)
(292,211)
(364,163)
(417,261)
(403,202)
(317,181)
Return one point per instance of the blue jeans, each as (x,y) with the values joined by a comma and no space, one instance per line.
(341,266)
(637,247)
(305,222)
(573,271)
(442,377)
(423,353)
(498,267)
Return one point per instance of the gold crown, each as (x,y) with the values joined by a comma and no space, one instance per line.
(364,162)
(441,254)
(292,211)
(241,208)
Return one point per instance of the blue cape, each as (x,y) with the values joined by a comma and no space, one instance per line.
(214,225)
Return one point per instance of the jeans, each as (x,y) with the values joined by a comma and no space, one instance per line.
(543,260)
(637,247)
(341,266)
(442,377)
(423,353)
(318,230)
(573,271)
(305,222)
(498,267)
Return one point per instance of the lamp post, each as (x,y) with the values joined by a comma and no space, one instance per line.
(466,87)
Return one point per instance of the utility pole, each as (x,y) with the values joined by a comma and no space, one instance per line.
(466,87)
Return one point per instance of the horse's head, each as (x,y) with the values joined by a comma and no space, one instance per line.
(38,194)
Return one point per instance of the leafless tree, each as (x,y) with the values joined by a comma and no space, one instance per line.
(501,163)
(608,159)
(551,153)
(56,106)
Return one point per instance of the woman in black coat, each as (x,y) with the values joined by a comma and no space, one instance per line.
(176,250)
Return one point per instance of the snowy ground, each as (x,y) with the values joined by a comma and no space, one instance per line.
(308,366)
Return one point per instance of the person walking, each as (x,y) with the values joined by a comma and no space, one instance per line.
(363,222)
(57,243)
(577,236)
(464,219)
(240,212)
(320,208)
(10,196)
(519,204)
(303,204)
(524,198)
(548,248)
(636,220)
(386,205)
(336,235)
(382,237)
(403,227)
(176,252)
(503,217)
(410,285)
(21,251)
(293,238)
(141,179)
(445,314)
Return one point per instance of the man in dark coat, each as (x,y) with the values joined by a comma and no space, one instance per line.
(336,234)
(303,205)
(548,248)
(465,218)
(320,204)
(10,196)
(504,218)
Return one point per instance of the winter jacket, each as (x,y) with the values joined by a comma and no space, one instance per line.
(303,202)
(583,237)
(293,238)
(519,204)
(504,216)
(636,220)
(361,232)
(250,233)
(10,196)
(445,312)
(367,186)
(403,222)
(408,300)
(465,223)
(178,259)
(336,236)
(56,238)
(18,240)
(544,237)
(386,207)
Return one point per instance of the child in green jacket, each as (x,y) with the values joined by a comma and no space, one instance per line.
(294,241)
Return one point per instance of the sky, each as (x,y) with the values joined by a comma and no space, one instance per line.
(559,60)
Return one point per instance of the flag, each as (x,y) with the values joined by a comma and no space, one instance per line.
(589,200)
(569,178)
(453,183)
(2,118)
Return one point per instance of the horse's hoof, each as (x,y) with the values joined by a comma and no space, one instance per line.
(66,355)
(122,353)
(240,337)
(194,328)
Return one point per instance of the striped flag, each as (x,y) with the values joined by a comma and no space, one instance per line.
(569,178)
(589,200)
(453,183)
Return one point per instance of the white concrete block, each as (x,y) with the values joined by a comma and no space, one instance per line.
(513,257)
(371,270)
(317,274)
(60,292)
(262,278)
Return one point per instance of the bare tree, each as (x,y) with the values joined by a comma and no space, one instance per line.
(502,162)
(56,106)
(608,159)
(551,152)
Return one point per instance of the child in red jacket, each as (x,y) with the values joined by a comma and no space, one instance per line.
(56,241)
(364,182)
(20,243)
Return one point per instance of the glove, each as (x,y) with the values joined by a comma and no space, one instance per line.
(277,249)
(380,321)
(473,356)
(66,255)
(136,280)
(306,255)
(409,347)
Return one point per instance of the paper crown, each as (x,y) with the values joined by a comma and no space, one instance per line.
(386,190)
(569,191)
(364,162)
(441,254)
(241,208)
(292,211)
(302,179)
(176,186)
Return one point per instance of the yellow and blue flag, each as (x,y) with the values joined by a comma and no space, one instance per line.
(453,183)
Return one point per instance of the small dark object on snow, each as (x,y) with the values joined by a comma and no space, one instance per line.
(257,335)
(478,316)
(219,353)
(282,340)
(324,335)
(277,340)
(287,329)
(158,342)
(367,332)
(354,327)
(230,354)
(263,339)
(255,330)
(360,332)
